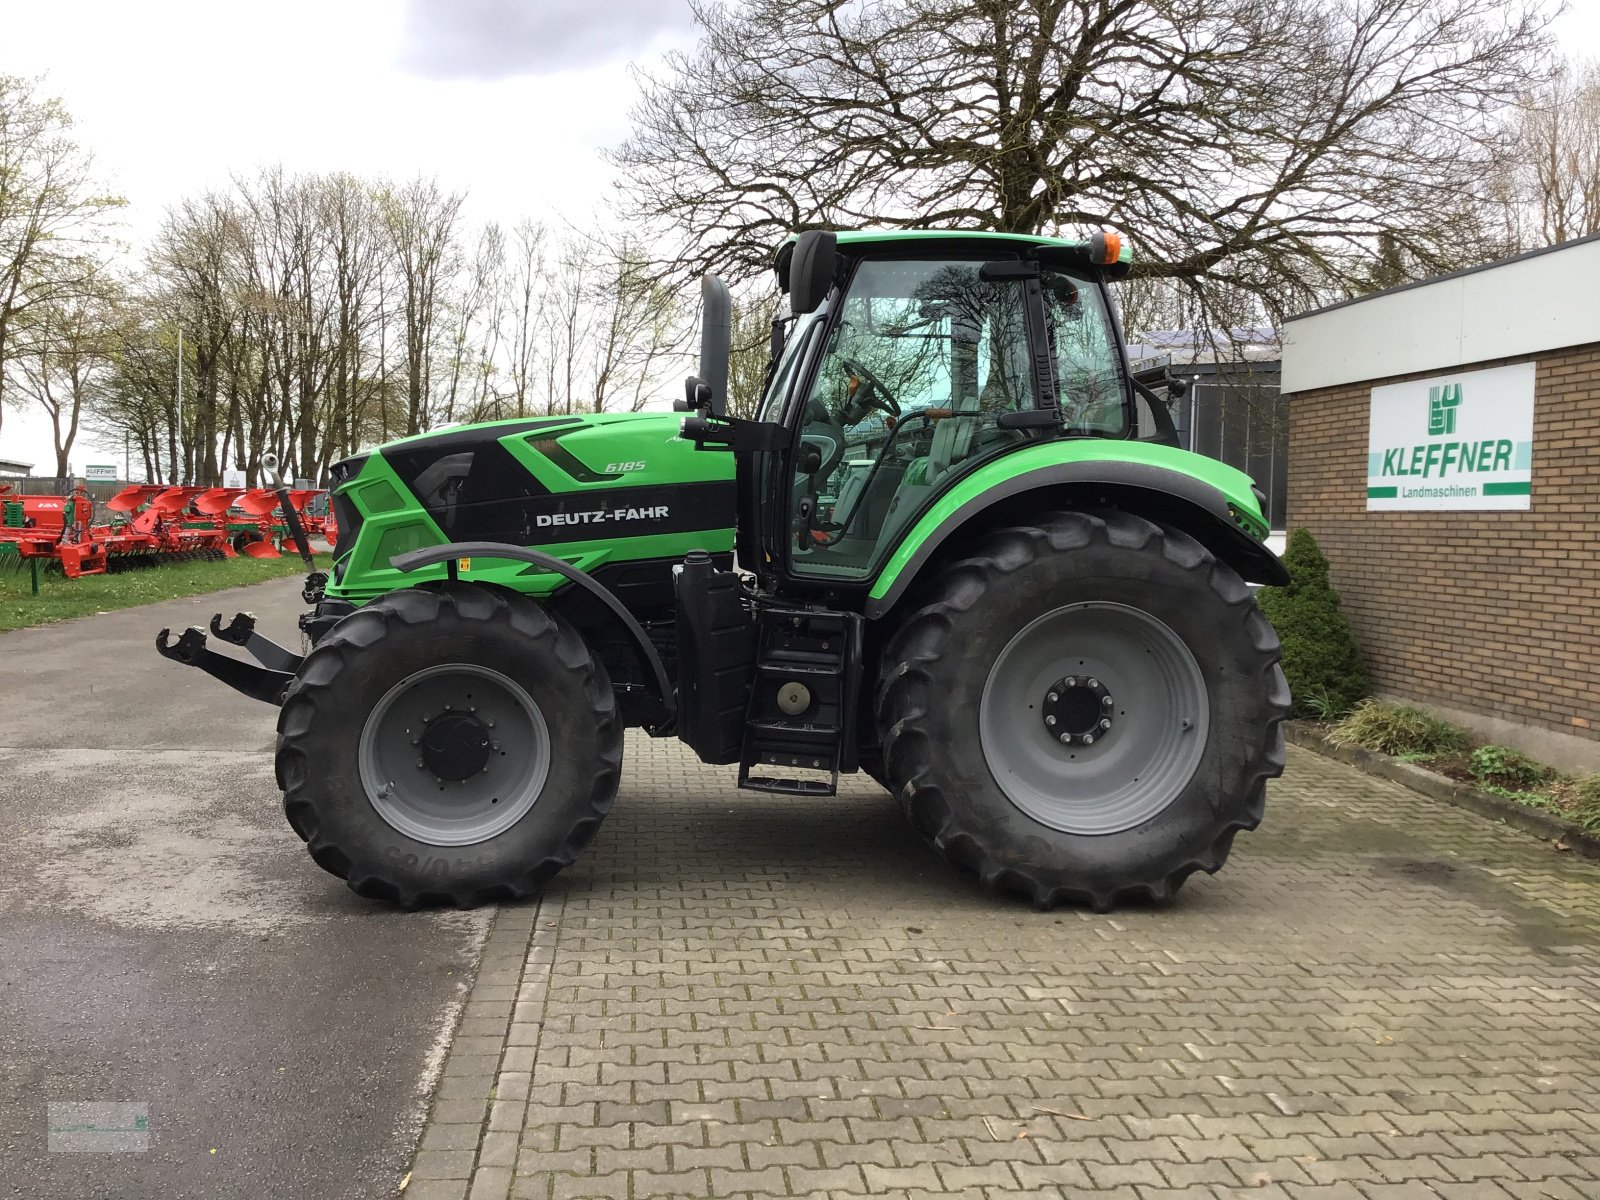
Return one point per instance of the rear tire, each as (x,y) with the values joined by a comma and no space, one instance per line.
(1165,635)
(466,818)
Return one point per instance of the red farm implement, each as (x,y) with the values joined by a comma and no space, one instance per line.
(254,521)
(59,531)
(155,523)
(52,528)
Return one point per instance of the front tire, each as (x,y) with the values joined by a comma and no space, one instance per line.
(1083,709)
(448,744)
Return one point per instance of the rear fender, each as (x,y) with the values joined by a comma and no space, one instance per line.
(1168,497)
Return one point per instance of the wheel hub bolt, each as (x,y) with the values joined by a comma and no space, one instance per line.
(1078,710)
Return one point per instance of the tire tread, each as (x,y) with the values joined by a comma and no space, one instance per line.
(925,636)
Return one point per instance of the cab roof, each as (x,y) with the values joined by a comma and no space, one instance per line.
(870,237)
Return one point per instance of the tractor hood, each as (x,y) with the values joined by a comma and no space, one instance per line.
(597,488)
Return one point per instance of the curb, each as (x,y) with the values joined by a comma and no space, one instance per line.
(1530,820)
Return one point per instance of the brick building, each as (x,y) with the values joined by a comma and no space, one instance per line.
(1444,448)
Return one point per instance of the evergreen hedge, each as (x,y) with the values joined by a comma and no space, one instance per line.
(1320,655)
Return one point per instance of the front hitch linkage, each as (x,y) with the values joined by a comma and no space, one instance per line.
(264,683)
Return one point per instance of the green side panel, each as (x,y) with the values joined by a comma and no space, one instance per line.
(394,524)
(619,455)
(380,496)
(1231,482)
(617,450)
(508,423)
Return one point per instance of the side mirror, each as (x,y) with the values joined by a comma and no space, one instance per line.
(811,270)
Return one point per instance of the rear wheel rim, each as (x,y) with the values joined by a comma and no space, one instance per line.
(1107,777)
(454,754)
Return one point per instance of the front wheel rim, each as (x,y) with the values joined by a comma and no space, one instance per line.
(1094,718)
(473,781)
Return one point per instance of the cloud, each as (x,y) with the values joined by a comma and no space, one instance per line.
(495,39)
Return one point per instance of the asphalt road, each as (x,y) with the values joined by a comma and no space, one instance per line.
(166,941)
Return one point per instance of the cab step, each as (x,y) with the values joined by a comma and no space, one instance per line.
(802,710)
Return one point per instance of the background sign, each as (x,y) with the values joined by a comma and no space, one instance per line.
(1461,441)
(232,479)
(100,474)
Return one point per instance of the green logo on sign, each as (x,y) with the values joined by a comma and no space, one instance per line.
(1442,404)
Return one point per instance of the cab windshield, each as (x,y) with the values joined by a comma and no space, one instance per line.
(923,361)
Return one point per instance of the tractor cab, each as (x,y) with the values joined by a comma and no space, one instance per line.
(909,360)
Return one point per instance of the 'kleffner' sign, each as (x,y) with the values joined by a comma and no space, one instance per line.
(1461,441)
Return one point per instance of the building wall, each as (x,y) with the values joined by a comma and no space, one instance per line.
(1493,617)
(1522,305)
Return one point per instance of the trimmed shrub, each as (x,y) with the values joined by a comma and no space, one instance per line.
(1320,655)
(1586,802)
(1398,730)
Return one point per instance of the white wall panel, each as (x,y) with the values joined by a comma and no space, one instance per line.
(1542,302)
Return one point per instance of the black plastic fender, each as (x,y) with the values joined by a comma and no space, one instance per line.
(449,553)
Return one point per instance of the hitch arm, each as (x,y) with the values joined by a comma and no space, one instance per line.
(241,631)
(259,683)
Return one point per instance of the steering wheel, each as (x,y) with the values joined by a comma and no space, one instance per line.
(870,393)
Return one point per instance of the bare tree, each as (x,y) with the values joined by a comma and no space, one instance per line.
(194,263)
(524,284)
(749,349)
(349,220)
(421,219)
(1262,145)
(71,349)
(473,303)
(52,218)
(1551,187)
(638,327)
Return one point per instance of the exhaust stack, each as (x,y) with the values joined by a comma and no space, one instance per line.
(716,331)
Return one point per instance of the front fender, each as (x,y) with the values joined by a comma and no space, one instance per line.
(1209,500)
(645,650)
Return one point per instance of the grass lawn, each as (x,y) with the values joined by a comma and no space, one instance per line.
(60,599)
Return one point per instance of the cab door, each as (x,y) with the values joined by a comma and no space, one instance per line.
(924,371)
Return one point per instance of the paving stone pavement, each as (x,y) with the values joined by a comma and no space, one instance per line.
(1380,998)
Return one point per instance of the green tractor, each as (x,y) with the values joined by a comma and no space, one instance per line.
(957,548)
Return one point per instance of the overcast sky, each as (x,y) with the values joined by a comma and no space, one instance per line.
(511,99)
